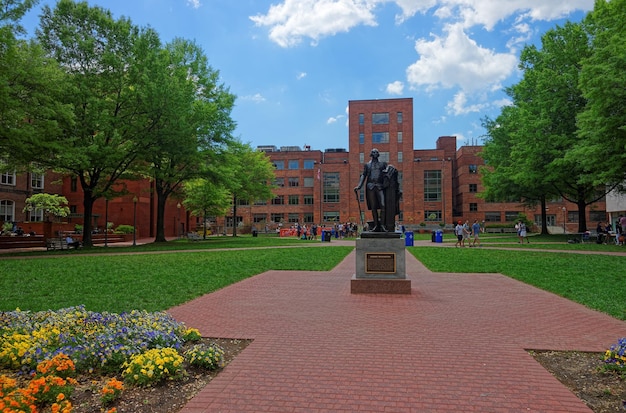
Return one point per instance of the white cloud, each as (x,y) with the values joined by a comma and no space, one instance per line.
(194,3)
(395,88)
(334,119)
(301,75)
(459,105)
(256,98)
(293,20)
(457,61)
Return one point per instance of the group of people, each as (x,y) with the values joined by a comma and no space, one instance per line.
(605,231)
(468,233)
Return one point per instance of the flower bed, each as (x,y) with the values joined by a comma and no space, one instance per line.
(50,347)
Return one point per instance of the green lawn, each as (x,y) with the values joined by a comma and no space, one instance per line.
(165,275)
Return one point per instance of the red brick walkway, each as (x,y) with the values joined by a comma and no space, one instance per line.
(456,344)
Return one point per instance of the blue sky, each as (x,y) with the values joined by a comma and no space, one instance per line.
(295,64)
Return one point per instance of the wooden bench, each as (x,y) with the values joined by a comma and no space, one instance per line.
(192,236)
(56,244)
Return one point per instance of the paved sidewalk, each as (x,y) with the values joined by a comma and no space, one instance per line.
(456,344)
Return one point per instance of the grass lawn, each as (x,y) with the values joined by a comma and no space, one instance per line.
(157,281)
(596,281)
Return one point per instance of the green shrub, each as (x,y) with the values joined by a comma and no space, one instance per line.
(124,229)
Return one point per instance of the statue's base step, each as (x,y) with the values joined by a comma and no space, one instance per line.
(379,286)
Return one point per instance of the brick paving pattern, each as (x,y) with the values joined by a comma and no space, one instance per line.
(456,344)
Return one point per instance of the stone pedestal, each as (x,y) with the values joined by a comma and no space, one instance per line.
(380,265)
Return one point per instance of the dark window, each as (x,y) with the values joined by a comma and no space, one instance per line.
(473,207)
(279,200)
(380,118)
(473,169)
(473,187)
(432,186)
(331,187)
(308,200)
(432,215)
(492,216)
(278,217)
(294,181)
(294,200)
(279,182)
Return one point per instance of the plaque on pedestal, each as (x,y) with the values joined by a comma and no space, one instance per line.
(380,264)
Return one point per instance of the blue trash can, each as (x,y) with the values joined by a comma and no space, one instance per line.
(408,238)
(439,236)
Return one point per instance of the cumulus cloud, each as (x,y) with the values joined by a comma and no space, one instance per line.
(395,88)
(301,75)
(458,61)
(293,20)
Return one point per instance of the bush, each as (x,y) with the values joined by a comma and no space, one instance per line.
(153,366)
(124,229)
(208,357)
(615,357)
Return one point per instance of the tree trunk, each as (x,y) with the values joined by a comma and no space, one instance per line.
(160,219)
(544,217)
(87,216)
(582,220)
(234,215)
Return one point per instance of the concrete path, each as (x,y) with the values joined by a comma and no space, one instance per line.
(456,344)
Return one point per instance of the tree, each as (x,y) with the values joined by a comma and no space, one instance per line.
(250,174)
(189,111)
(50,204)
(105,69)
(602,124)
(30,85)
(548,102)
(205,198)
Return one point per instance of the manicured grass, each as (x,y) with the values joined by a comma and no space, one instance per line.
(596,281)
(151,282)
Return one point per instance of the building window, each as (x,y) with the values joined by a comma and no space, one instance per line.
(361,118)
(256,218)
(279,182)
(294,200)
(279,200)
(361,157)
(473,169)
(294,164)
(473,207)
(331,216)
(383,156)
(511,216)
(331,187)
(73,184)
(308,182)
(308,200)
(242,202)
(7,210)
(380,137)
(293,218)
(279,165)
(473,187)
(492,216)
(380,118)
(399,137)
(432,215)
(361,138)
(260,202)
(308,218)
(36,181)
(432,186)
(308,164)
(7,178)
(278,217)
(399,116)
(572,216)
(294,181)
(595,216)
(399,157)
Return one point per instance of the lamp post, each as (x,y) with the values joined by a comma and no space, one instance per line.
(106,222)
(134,221)
(178,229)
(564,211)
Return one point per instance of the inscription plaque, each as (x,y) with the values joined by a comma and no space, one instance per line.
(380,262)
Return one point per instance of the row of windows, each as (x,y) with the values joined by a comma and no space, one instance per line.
(294,164)
(380,118)
(7,212)
(8,178)
(379,137)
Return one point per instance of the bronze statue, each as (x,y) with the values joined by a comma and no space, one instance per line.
(382,192)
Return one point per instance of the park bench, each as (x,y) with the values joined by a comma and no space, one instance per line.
(56,244)
(192,236)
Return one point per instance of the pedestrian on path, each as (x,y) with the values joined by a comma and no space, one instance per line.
(458,230)
(476,233)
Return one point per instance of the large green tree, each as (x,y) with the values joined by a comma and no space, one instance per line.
(30,87)
(189,110)
(103,59)
(548,101)
(602,124)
